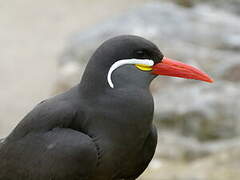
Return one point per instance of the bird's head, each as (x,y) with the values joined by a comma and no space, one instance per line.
(134,61)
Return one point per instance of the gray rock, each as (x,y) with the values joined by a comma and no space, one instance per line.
(186,149)
(223,165)
(206,112)
(2,140)
(232,6)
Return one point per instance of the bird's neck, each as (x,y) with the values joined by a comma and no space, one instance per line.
(119,114)
(128,105)
(94,79)
(93,84)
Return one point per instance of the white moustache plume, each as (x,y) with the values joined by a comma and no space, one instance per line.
(122,62)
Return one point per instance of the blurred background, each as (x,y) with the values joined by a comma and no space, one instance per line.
(44,47)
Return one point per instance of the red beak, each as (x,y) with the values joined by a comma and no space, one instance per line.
(169,67)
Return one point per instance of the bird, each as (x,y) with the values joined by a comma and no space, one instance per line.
(100,129)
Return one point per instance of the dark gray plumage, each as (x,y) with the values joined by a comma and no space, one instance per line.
(90,132)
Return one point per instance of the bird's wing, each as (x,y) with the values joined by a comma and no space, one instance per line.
(45,116)
(42,146)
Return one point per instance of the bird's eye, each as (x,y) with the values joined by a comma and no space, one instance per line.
(141,53)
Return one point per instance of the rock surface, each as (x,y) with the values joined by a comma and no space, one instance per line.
(230,5)
(198,123)
(223,165)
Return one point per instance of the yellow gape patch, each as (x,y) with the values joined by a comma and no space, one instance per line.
(143,67)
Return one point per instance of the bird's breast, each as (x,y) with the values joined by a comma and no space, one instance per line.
(124,153)
(120,127)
